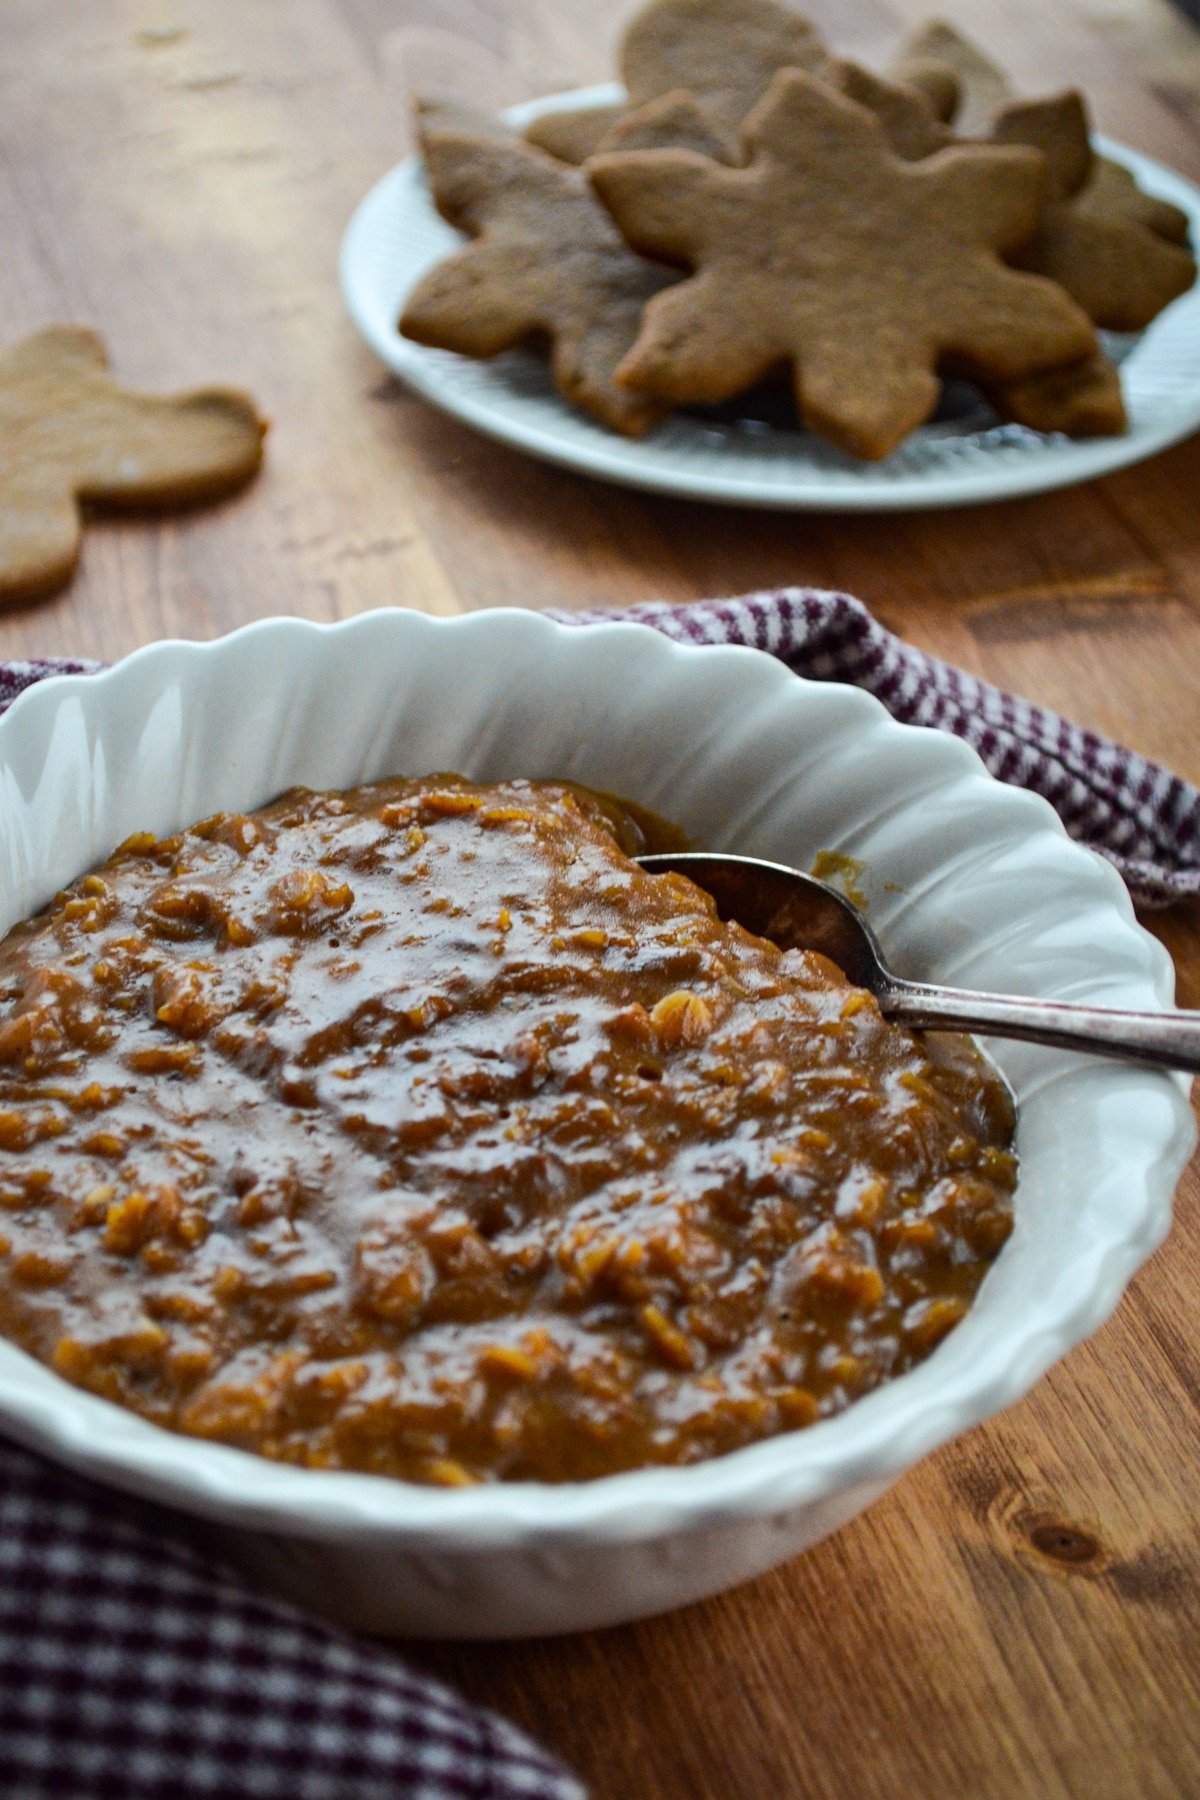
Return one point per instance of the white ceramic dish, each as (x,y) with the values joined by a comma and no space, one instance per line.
(966,879)
(396,234)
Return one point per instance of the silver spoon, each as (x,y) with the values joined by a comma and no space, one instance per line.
(798,912)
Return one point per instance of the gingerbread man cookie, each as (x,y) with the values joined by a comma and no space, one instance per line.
(866,274)
(71,436)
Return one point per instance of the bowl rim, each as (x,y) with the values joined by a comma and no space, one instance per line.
(870,1443)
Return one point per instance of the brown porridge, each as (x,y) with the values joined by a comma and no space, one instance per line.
(416,1130)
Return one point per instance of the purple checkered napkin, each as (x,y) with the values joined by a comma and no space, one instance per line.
(134,1667)
(1140,816)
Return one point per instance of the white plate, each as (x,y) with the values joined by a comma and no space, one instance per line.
(396,234)
(965,879)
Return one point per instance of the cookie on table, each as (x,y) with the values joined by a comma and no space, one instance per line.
(71,436)
(941,60)
(547,263)
(1092,237)
(881,271)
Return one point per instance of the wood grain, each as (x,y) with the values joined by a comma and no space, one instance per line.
(1021,1616)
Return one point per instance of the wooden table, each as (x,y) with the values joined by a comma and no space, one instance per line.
(1021,1615)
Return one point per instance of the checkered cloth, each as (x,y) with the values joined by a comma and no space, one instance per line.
(135,1667)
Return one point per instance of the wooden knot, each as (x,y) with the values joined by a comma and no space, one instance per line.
(1060,1543)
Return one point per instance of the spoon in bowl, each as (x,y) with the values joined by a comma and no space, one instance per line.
(798,912)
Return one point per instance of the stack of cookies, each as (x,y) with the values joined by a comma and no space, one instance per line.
(758,205)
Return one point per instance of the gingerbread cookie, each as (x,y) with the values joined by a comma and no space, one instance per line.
(1092,238)
(672,122)
(443,112)
(938,59)
(69,435)
(939,84)
(909,124)
(1081,399)
(546,263)
(573,133)
(1121,273)
(1114,194)
(879,271)
(1058,127)
(724,52)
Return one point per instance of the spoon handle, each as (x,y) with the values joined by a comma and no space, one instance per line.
(1166,1040)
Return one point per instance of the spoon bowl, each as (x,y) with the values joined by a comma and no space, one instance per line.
(798,912)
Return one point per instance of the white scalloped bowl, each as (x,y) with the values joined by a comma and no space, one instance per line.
(966,879)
